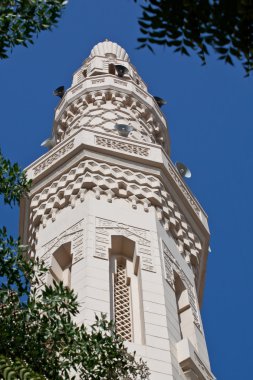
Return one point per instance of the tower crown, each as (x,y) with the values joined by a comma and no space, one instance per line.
(109,48)
(107,91)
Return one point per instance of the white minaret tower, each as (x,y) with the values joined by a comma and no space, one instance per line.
(113,219)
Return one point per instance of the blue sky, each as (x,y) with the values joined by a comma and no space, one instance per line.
(209,114)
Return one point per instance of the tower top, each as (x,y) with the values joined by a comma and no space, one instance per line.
(107,94)
(109,49)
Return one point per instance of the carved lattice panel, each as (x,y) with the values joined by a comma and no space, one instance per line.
(122,309)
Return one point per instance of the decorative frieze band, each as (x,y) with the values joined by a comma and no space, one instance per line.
(96,81)
(106,228)
(110,182)
(122,146)
(76,88)
(53,157)
(121,82)
(183,188)
(141,92)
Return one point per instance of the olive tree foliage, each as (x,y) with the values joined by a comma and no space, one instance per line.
(38,335)
(226,26)
(22,20)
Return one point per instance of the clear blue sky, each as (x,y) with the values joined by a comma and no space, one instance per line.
(209,113)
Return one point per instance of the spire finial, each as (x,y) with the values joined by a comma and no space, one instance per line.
(109,47)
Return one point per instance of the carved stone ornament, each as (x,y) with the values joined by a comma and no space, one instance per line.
(184,189)
(74,235)
(101,110)
(171,265)
(110,182)
(53,157)
(106,228)
(122,146)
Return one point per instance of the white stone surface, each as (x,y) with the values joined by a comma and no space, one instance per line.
(105,195)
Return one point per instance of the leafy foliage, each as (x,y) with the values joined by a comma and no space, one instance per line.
(38,336)
(16,370)
(42,334)
(224,25)
(13,182)
(21,20)
(15,272)
(103,354)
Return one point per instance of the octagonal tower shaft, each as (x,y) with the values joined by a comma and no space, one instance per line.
(112,218)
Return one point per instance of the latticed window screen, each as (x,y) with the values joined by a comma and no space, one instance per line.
(122,303)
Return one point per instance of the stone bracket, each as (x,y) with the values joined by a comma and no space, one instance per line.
(190,360)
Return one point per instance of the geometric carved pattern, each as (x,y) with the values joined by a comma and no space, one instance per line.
(193,202)
(101,110)
(106,228)
(112,181)
(103,174)
(171,266)
(122,310)
(75,235)
(143,151)
(122,146)
(169,270)
(53,157)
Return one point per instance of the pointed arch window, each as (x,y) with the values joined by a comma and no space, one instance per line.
(61,265)
(126,294)
(183,307)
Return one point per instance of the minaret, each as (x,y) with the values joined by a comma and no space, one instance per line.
(112,217)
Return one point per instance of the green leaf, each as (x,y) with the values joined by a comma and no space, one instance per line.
(224,26)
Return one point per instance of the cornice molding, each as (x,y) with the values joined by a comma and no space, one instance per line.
(109,182)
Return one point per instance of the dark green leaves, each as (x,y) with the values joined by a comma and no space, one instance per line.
(107,356)
(21,20)
(226,26)
(13,182)
(17,369)
(43,334)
